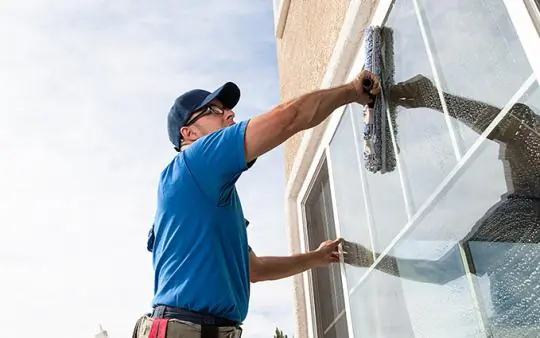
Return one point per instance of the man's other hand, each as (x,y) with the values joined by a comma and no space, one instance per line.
(327,252)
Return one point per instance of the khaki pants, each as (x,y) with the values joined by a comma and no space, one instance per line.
(180,329)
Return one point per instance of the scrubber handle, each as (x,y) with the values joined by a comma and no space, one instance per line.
(367,84)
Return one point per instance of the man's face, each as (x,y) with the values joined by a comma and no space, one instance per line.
(208,120)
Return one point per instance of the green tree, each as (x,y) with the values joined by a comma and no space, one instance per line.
(279,334)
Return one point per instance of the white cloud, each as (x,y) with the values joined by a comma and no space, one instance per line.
(86,88)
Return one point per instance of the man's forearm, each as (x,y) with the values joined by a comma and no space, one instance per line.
(272,268)
(269,130)
(313,108)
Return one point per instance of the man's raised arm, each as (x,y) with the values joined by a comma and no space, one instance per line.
(271,129)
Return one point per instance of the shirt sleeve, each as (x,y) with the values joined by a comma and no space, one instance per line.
(217,160)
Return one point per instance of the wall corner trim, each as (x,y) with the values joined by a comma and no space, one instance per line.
(283,12)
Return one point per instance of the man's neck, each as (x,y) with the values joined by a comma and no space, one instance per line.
(184,146)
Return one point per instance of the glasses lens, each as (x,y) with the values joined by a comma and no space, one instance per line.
(206,111)
(217,110)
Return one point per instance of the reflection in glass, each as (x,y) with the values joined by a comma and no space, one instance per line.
(500,247)
(426,153)
(470,266)
(431,310)
(486,62)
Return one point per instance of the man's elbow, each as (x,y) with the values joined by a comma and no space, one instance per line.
(255,277)
(256,268)
(292,120)
(259,272)
(298,122)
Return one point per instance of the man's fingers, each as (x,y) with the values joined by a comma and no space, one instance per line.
(337,241)
(376,85)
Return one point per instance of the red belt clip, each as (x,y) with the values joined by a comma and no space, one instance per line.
(159,328)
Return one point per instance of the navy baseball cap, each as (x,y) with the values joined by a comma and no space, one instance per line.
(189,102)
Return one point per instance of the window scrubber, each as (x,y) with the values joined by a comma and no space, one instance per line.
(380,117)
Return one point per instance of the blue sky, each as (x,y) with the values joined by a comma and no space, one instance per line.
(86,87)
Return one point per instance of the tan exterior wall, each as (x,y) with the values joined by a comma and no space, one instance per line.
(309,37)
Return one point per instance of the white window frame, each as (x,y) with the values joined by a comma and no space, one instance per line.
(281,10)
(534,10)
(523,15)
(314,148)
(321,158)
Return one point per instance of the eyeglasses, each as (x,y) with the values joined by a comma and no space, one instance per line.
(207,111)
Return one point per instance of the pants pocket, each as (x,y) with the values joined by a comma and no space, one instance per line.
(180,328)
(231,332)
(142,327)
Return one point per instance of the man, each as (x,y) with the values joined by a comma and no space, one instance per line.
(203,264)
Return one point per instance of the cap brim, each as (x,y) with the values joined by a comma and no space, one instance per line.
(228,95)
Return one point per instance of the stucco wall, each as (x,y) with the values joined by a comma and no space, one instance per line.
(309,37)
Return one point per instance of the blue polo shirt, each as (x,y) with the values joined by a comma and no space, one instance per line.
(201,252)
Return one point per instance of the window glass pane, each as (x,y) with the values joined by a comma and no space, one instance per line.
(383,191)
(377,309)
(426,151)
(346,176)
(473,75)
(487,63)
(486,221)
(424,285)
(503,245)
(427,154)
(430,311)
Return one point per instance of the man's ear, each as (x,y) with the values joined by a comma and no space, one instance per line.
(186,133)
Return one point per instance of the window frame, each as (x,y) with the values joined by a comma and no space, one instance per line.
(321,159)
(534,10)
(322,168)
(525,16)
(309,293)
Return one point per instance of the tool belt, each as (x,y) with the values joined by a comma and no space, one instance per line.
(209,324)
